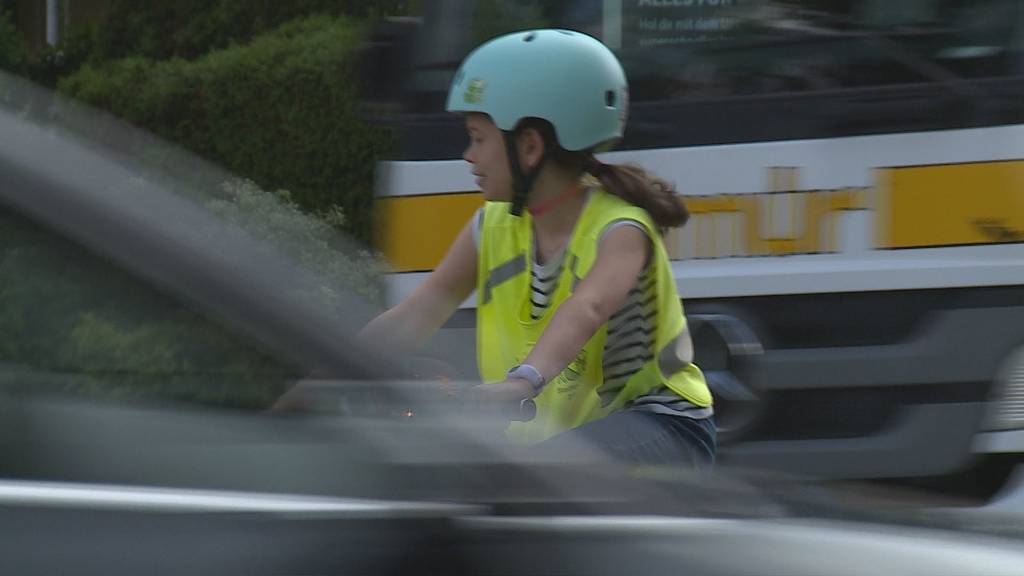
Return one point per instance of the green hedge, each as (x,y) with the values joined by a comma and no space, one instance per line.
(13,56)
(163,29)
(311,241)
(106,334)
(280,111)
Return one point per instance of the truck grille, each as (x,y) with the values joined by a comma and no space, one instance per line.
(1007,405)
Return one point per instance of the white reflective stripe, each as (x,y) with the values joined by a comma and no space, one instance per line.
(99,496)
(503,273)
(677,354)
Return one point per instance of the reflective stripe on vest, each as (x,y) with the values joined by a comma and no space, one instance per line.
(502,273)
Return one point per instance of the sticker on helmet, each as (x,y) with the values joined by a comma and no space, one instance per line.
(474,93)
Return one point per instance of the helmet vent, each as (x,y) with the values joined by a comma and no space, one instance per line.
(529,37)
(609,98)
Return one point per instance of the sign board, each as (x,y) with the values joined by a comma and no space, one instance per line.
(632,24)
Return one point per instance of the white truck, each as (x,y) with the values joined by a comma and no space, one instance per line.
(854,267)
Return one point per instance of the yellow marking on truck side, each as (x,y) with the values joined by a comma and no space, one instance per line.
(913,207)
(414,232)
(951,205)
(810,231)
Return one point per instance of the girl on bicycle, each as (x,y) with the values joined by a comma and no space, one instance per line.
(579,325)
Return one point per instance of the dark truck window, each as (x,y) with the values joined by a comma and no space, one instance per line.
(735,48)
(71,322)
(731,71)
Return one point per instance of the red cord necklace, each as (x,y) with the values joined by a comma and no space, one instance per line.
(550,203)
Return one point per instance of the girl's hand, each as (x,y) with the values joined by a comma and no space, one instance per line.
(503,398)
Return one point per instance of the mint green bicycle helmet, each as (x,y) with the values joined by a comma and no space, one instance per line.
(567,78)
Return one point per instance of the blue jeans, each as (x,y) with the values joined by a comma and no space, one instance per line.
(642,437)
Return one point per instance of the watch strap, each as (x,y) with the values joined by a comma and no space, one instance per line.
(530,374)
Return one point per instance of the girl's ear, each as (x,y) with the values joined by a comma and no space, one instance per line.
(531,148)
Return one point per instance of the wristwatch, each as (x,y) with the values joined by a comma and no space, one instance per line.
(530,374)
(527,410)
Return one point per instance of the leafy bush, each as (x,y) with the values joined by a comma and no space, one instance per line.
(105,334)
(310,240)
(47,65)
(71,322)
(13,55)
(164,29)
(280,111)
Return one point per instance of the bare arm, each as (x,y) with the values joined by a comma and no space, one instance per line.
(620,260)
(414,320)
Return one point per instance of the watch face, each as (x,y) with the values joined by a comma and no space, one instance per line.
(527,410)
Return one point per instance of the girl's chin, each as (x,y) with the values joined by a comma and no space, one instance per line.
(491,195)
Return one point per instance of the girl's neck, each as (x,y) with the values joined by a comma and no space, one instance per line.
(555,204)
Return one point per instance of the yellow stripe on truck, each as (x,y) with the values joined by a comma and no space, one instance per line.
(414,232)
(951,205)
(915,207)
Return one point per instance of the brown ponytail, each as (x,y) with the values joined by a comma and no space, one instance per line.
(627,181)
(634,185)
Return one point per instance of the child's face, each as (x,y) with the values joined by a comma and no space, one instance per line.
(486,153)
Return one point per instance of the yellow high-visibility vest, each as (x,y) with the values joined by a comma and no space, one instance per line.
(506,333)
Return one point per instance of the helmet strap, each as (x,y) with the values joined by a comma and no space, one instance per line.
(522,182)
